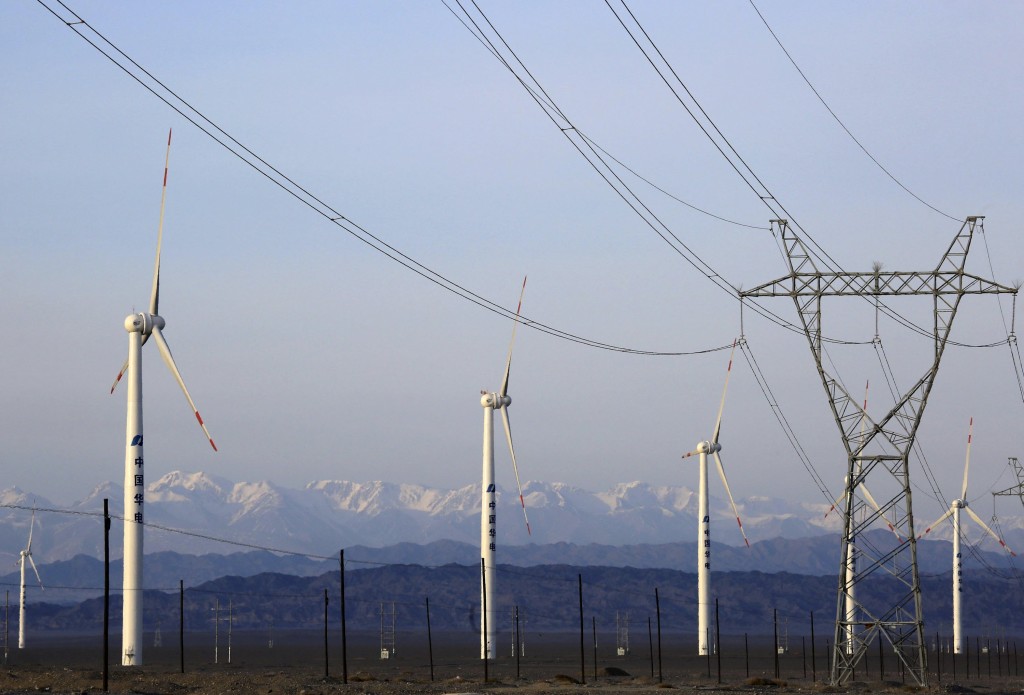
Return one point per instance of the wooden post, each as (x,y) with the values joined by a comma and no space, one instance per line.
(106,595)
(430,640)
(657,608)
(650,641)
(519,643)
(326,653)
(181,624)
(814,668)
(775,623)
(746,654)
(344,637)
(583,667)
(718,642)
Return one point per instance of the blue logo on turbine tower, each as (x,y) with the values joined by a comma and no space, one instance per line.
(490,488)
(137,440)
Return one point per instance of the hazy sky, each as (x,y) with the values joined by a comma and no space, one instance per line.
(312,356)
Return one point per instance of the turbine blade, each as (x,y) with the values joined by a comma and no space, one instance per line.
(515,324)
(721,472)
(154,297)
(721,406)
(165,352)
(124,368)
(871,500)
(31,527)
(979,522)
(33,563)
(515,467)
(842,496)
(935,523)
(967,463)
(864,413)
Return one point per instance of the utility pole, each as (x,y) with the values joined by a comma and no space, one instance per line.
(884,449)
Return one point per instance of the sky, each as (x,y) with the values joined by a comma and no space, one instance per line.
(311,356)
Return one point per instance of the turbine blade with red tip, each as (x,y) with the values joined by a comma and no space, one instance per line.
(515,324)
(124,369)
(871,500)
(977,520)
(515,466)
(935,523)
(721,405)
(725,482)
(967,463)
(165,352)
(154,297)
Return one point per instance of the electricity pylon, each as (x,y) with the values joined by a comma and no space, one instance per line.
(1018,489)
(884,447)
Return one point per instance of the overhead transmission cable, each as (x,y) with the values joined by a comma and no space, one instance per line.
(776,408)
(190,113)
(736,161)
(1011,341)
(840,122)
(592,153)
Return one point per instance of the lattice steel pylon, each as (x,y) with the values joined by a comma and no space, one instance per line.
(885,445)
(1018,489)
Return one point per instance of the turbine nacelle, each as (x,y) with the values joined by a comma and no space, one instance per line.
(707,447)
(495,400)
(960,504)
(143,323)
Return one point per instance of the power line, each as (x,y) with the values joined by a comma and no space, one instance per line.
(840,122)
(736,161)
(593,154)
(190,113)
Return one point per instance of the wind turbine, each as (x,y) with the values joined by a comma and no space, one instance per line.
(141,327)
(955,508)
(26,554)
(704,528)
(488,505)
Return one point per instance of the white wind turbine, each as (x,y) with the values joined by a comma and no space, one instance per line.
(954,512)
(704,528)
(26,554)
(488,505)
(141,327)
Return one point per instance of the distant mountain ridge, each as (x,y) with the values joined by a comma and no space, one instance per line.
(327,515)
(81,576)
(546,598)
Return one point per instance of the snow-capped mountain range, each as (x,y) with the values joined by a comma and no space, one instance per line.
(328,515)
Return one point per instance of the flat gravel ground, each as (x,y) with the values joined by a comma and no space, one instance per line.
(295,663)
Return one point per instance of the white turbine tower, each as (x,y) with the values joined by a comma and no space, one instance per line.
(488,505)
(26,554)
(954,511)
(140,328)
(704,527)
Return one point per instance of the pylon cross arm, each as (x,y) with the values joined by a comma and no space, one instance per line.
(881,284)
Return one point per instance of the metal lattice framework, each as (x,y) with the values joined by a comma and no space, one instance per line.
(1018,489)
(884,446)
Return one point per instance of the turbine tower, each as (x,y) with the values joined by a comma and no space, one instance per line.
(141,327)
(704,527)
(887,443)
(488,505)
(954,510)
(26,554)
